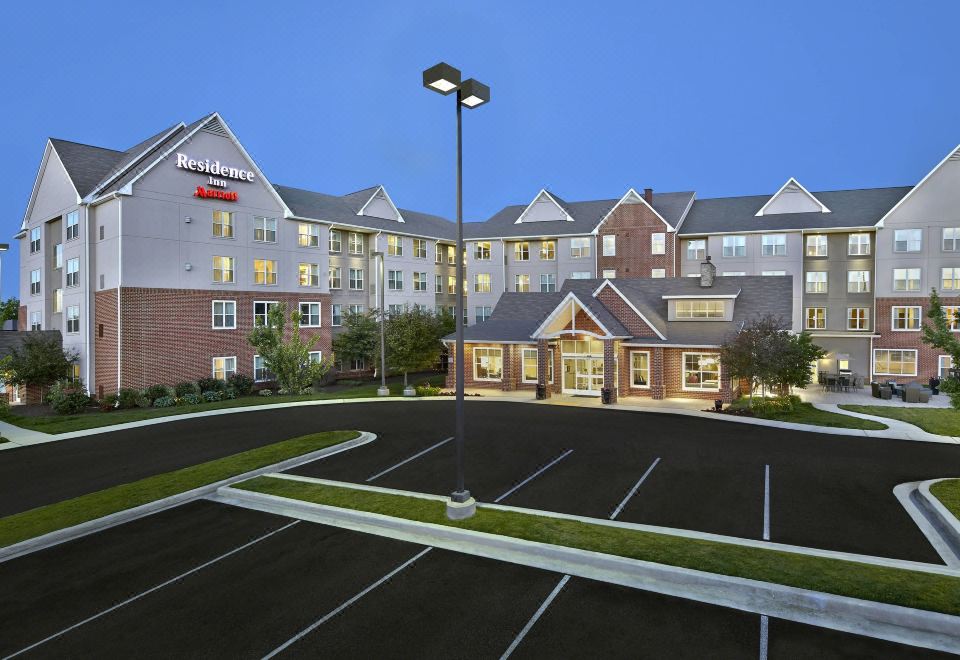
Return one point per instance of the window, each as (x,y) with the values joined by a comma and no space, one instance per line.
(816,282)
(355,243)
(451,284)
(309,315)
(548,283)
(858,281)
(773,245)
(481,250)
(34,240)
(907,240)
(481,283)
(394,309)
(355,309)
(950,278)
(734,246)
(358,364)
(610,273)
(548,250)
(260,371)
(658,272)
(35,282)
(905,318)
(483,313)
(315,357)
(640,369)
(580,275)
(223,269)
(906,279)
(35,321)
(816,245)
(73,271)
(335,241)
(309,235)
(224,314)
(891,362)
(816,318)
(260,311)
(58,255)
(336,314)
(530,368)
(73,319)
(773,273)
(734,273)
(579,248)
(658,243)
(858,245)
(522,283)
(73,225)
(451,255)
(858,318)
(438,283)
(57,300)
(610,245)
(697,249)
(101,232)
(419,248)
(264,271)
(223,224)
(264,229)
(439,251)
(224,367)
(951,239)
(487,363)
(944,365)
(334,281)
(395,280)
(699,309)
(701,371)
(953,317)
(394,246)
(419,281)
(356,279)
(521,251)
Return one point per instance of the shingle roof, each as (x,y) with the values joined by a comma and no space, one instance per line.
(586,216)
(13,339)
(514,318)
(849,208)
(86,165)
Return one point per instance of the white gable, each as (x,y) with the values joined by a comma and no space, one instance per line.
(381,206)
(936,198)
(543,208)
(53,191)
(792,198)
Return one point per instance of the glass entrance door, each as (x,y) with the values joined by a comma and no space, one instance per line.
(582,375)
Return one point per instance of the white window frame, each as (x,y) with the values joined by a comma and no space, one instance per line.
(226,373)
(394,280)
(696,246)
(579,247)
(73,225)
(951,234)
(482,251)
(35,282)
(954,278)
(683,373)
(861,285)
(912,240)
(548,250)
(816,246)
(355,243)
(313,272)
(699,309)
(35,242)
(850,319)
(232,270)
(482,283)
(952,312)
(223,220)
(482,313)
(72,319)
(658,242)
(734,246)
(816,282)
(877,372)
(261,224)
(634,369)
(609,245)
(523,365)
(908,279)
(352,280)
(489,351)
(893,318)
(394,245)
(419,281)
(521,251)
(73,272)
(658,273)
(271,267)
(420,248)
(335,241)
(521,282)
(36,321)
(268,305)
(336,315)
(773,273)
(858,245)
(223,315)
(941,371)
(309,238)
(308,315)
(266,372)
(580,275)
(550,283)
(816,319)
(334,278)
(774,242)
(609,273)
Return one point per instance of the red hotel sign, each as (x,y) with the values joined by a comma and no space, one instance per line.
(207,193)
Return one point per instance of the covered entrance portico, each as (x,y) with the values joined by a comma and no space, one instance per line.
(582,366)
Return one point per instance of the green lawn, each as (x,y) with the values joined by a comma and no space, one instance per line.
(805,413)
(846,578)
(948,492)
(65,423)
(942,421)
(45,519)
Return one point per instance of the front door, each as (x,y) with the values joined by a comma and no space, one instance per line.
(582,375)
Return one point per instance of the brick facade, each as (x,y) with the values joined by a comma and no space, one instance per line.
(624,313)
(633,225)
(167,335)
(665,379)
(927,356)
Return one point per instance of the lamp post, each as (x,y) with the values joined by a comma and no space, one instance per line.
(3,248)
(383,389)
(444,79)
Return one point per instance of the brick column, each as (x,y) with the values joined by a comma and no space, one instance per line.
(657,383)
(543,368)
(609,368)
(506,383)
(452,366)
(726,392)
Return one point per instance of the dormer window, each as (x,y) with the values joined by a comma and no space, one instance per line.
(699,309)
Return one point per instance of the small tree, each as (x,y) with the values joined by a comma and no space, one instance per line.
(937,334)
(9,310)
(794,359)
(40,360)
(360,337)
(413,341)
(287,359)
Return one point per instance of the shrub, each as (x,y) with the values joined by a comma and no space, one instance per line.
(4,407)
(128,398)
(265,393)
(241,383)
(164,402)
(155,392)
(68,398)
(781,404)
(191,399)
(185,388)
(230,392)
(108,402)
(211,385)
(212,395)
(427,390)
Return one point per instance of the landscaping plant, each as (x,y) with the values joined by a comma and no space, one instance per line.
(287,358)
(39,360)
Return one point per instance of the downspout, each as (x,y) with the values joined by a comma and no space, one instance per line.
(119,283)
(503,263)
(88,307)
(383,265)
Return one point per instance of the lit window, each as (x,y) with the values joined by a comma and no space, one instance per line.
(697,249)
(57,300)
(395,280)
(734,273)
(701,371)
(858,245)
(264,271)
(773,245)
(906,279)
(58,255)
(309,235)
(953,317)
(73,319)
(816,318)
(817,282)
(451,255)
(639,369)
(394,246)
(548,283)
(223,224)
(309,315)
(309,274)
(481,250)
(264,229)
(73,225)
(817,245)
(356,279)
(890,362)
(858,318)
(905,318)
(224,367)
(530,370)
(610,273)
(419,281)
(521,251)
(419,248)
(858,281)
(734,246)
(355,243)
(73,271)
(481,283)
(950,279)
(224,314)
(699,309)
(548,250)
(487,363)
(658,243)
(610,245)
(451,284)
(658,272)
(579,248)
(334,282)
(522,283)
(907,240)
(223,269)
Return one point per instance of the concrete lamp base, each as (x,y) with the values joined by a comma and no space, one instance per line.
(461,510)
(409,391)
(383,391)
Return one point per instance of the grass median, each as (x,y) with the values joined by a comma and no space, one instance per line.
(914,589)
(948,492)
(806,413)
(53,517)
(941,421)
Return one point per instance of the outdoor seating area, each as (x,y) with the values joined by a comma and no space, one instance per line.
(908,393)
(841,382)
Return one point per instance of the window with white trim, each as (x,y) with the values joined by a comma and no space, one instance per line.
(355,243)
(773,245)
(309,274)
(335,241)
(548,250)
(951,239)
(308,235)
(336,314)
(419,281)
(309,315)
(395,280)
(894,362)
(438,283)
(481,250)
(452,284)
(57,300)
(521,283)
(816,318)
(773,273)
(905,318)
(73,272)
(944,365)
(260,371)
(658,243)
(701,371)
(355,308)
(658,272)
(521,251)
(481,282)
(223,270)
(452,255)
(439,251)
(36,321)
(58,255)
(224,314)
(907,240)
(264,271)
(906,279)
(223,224)
(315,357)
(816,282)
(530,366)
(261,311)
(734,246)
(950,279)
(858,281)
(640,369)
(580,275)
(394,309)
(858,245)
(73,319)
(579,248)
(697,249)
(609,273)
(34,240)
(394,246)
(699,309)
(356,279)
(816,245)
(487,363)
(73,225)
(264,229)
(734,273)
(952,314)
(35,282)
(609,245)
(334,281)
(224,367)
(482,313)
(858,318)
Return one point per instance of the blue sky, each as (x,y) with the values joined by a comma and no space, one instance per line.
(589,99)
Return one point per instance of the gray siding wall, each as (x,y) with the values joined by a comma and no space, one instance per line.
(836,264)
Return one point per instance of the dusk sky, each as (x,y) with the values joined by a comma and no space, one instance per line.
(588,99)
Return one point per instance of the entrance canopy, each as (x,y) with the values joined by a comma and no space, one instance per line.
(573,317)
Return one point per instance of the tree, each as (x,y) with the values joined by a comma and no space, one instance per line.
(360,337)
(937,333)
(413,341)
(288,359)
(39,360)
(9,310)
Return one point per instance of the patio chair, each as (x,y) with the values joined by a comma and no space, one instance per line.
(886,392)
(924,395)
(875,389)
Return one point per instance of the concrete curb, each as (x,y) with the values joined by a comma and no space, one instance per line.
(909,496)
(945,522)
(83,529)
(902,429)
(891,622)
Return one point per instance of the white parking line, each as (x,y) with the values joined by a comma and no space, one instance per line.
(536,616)
(633,491)
(534,475)
(764,635)
(152,589)
(344,605)
(407,460)
(764,619)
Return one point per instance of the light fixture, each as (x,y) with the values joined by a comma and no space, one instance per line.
(474,93)
(441,78)
(187,266)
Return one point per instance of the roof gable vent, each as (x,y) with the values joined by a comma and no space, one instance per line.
(955,155)
(792,198)
(215,127)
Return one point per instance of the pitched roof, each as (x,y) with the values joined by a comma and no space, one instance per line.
(86,165)
(849,208)
(13,339)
